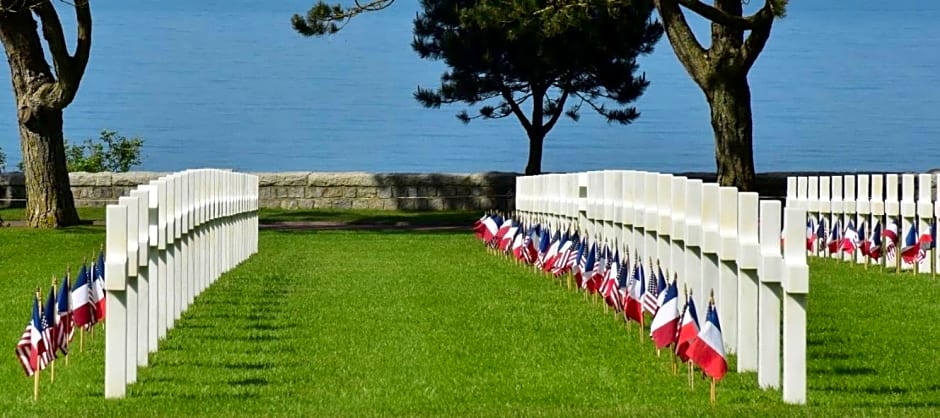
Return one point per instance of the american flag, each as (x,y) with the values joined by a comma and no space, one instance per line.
(612,291)
(49,328)
(650,303)
(574,253)
(891,238)
(64,327)
(30,349)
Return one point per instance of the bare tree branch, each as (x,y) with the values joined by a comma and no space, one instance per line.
(687,48)
(69,69)
(737,22)
(83,44)
(52,31)
(516,110)
(754,44)
(559,109)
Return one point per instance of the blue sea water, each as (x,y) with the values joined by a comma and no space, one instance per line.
(841,85)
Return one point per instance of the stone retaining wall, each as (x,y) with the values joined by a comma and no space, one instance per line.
(309,190)
(348,190)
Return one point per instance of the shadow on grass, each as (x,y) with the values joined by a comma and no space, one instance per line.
(361,217)
(853,371)
(246,365)
(390,230)
(253,381)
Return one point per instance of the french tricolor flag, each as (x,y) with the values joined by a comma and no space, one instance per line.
(83,310)
(810,235)
(491,227)
(665,324)
(834,242)
(688,329)
(633,308)
(873,245)
(478,227)
(708,351)
(97,286)
(850,238)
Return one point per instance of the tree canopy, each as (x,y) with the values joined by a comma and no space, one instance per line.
(523,59)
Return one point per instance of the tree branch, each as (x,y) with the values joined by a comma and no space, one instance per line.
(52,32)
(321,18)
(737,22)
(516,110)
(69,69)
(559,109)
(83,43)
(596,108)
(754,44)
(690,52)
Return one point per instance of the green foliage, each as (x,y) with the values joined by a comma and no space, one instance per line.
(111,152)
(779,7)
(514,51)
(3,160)
(322,18)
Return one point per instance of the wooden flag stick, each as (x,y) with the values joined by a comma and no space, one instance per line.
(691,375)
(897,260)
(36,374)
(81,339)
(51,321)
(642,319)
(714,400)
(36,386)
(675,363)
(68,290)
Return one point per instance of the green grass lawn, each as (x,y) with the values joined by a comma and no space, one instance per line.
(401,323)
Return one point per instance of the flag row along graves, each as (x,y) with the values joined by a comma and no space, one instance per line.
(166,242)
(51,327)
(659,244)
(859,218)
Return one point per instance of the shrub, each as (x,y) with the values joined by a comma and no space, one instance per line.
(111,152)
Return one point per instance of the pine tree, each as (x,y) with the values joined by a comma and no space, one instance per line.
(529,61)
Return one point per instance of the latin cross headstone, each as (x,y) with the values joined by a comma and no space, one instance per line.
(771,293)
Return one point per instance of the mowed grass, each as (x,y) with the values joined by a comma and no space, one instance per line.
(401,323)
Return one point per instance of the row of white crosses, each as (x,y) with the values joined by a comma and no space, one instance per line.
(167,241)
(867,198)
(711,238)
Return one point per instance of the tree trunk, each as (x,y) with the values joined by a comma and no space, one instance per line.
(49,196)
(50,202)
(730,103)
(534,165)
